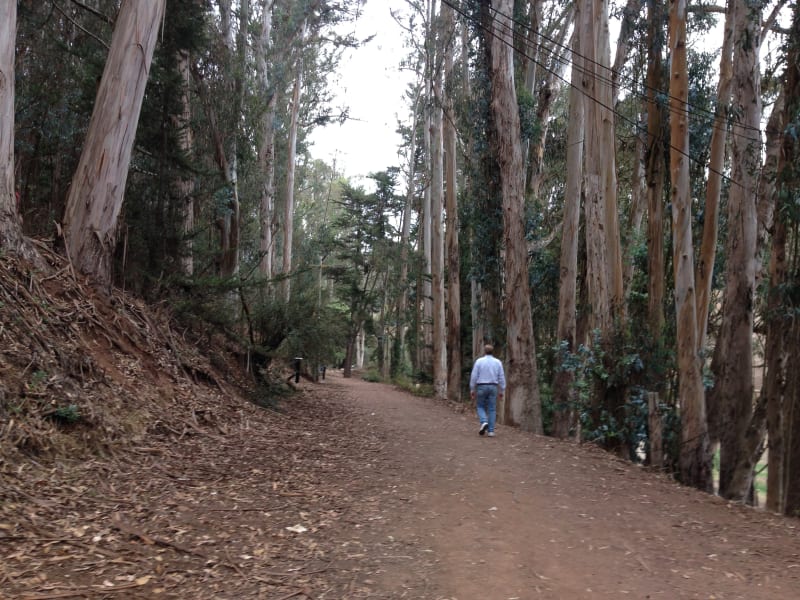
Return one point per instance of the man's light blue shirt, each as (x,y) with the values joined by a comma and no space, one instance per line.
(487,369)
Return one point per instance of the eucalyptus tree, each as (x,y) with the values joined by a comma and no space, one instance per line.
(453,270)
(267,91)
(655,167)
(98,186)
(716,166)
(735,375)
(10,226)
(604,257)
(544,70)
(436,108)
(565,413)
(782,383)
(695,456)
(523,404)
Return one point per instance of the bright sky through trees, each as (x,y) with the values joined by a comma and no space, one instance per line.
(372,86)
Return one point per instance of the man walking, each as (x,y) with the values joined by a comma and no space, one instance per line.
(487,382)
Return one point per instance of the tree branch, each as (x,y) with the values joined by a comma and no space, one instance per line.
(94,11)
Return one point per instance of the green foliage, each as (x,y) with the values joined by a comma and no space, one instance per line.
(418,388)
(594,369)
(67,415)
(38,379)
(372,375)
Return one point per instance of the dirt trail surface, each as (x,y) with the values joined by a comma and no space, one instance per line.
(358,490)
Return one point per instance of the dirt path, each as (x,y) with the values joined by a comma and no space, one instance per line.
(355,490)
(519,516)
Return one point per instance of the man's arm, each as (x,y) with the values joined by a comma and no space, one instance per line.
(473,380)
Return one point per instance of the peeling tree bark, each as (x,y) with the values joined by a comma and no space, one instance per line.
(10,225)
(694,461)
(451,210)
(98,186)
(564,417)
(716,164)
(654,171)
(184,185)
(523,404)
(735,380)
(288,209)
(266,151)
(780,385)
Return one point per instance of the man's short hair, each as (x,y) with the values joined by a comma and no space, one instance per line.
(488,349)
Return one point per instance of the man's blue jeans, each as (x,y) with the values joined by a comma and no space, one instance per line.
(486,400)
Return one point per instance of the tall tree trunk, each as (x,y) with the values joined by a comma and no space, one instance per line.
(564,417)
(523,404)
(781,396)
(776,359)
(602,250)
(426,334)
(405,238)
(451,208)
(288,209)
(736,369)
(627,28)
(694,462)
(98,187)
(545,99)
(654,170)
(10,225)
(767,179)
(716,165)
(184,184)
(231,219)
(437,237)
(638,202)
(266,151)
(791,471)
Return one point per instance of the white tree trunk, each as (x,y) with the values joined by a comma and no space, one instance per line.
(266,152)
(10,226)
(288,209)
(98,186)
(437,228)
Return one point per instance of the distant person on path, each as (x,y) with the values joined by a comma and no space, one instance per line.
(487,382)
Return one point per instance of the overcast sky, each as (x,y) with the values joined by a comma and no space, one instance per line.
(372,85)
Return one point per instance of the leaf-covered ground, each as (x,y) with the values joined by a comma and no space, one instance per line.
(170,485)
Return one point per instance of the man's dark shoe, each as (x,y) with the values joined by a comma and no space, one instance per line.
(484,427)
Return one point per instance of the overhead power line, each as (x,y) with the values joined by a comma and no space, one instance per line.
(510,33)
(633,88)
